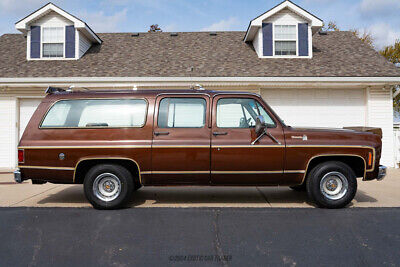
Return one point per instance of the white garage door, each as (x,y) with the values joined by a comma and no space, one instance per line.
(318,107)
(26,109)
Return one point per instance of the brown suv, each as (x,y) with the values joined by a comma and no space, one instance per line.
(116,141)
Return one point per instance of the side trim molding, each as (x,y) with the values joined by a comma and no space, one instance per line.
(47,168)
(89,158)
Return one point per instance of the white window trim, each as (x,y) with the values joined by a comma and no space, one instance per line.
(276,39)
(42,43)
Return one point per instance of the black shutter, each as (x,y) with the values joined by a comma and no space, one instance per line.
(70,41)
(267,39)
(35,41)
(303,39)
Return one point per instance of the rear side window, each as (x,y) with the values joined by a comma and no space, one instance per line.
(88,113)
(182,113)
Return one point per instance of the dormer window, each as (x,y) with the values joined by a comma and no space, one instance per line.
(285,31)
(54,34)
(53,42)
(285,38)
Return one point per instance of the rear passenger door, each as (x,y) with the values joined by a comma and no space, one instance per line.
(181,140)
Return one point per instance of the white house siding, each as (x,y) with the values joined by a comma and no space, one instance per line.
(84,44)
(8,132)
(257,43)
(380,114)
(52,19)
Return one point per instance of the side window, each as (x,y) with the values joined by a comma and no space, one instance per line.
(240,113)
(83,113)
(182,113)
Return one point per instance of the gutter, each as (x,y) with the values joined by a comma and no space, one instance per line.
(69,80)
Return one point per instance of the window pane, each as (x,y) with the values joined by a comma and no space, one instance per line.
(240,113)
(53,50)
(285,48)
(53,34)
(97,113)
(182,113)
(285,32)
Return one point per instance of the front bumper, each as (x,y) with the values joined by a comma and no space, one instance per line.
(18,176)
(382,173)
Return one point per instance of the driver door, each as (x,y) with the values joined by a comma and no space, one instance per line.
(234,160)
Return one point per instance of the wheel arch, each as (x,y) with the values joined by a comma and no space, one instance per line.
(356,162)
(84,164)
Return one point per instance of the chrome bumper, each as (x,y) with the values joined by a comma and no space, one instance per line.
(382,173)
(17,176)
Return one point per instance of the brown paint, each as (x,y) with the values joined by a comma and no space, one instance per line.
(189,156)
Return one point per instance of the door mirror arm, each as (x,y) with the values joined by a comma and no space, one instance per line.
(261,130)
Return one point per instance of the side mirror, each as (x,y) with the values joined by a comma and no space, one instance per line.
(260,125)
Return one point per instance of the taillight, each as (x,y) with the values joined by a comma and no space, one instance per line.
(370,159)
(21,156)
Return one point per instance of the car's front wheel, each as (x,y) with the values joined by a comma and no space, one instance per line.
(331,184)
(108,186)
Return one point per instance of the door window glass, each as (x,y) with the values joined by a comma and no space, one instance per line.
(182,113)
(240,113)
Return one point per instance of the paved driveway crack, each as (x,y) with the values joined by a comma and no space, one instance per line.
(263,196)
(217,242)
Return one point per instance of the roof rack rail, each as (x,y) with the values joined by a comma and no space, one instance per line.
(52,90)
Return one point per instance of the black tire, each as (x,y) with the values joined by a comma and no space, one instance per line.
(299,188)
(315,188)
(122,175)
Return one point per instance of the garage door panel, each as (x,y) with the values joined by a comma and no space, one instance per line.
(318,107)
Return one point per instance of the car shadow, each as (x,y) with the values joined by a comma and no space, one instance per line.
(203,196)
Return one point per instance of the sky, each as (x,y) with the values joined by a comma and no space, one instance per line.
(379,17)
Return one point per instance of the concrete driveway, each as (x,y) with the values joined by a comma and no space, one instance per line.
(370,194)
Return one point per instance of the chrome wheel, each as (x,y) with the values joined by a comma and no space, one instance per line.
(107,187)
(334,185)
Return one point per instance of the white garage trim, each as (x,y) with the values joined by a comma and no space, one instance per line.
(8,133)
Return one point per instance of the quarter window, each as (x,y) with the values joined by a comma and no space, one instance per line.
(182,113)
(53,41)
(285,40)
(89,113)
(240,113)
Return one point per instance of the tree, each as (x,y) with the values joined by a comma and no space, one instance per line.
(392,52)
(363,35)
(155,28)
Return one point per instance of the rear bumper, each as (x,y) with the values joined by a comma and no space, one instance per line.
(382,173)
(18,176)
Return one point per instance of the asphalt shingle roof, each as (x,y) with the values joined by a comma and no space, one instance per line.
(338,54)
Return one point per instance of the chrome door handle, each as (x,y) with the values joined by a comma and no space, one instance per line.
(219,133)
(161,133)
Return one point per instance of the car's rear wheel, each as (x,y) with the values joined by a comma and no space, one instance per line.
(108,186)
(331,184)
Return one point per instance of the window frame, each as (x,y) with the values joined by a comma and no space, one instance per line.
(95,127)
(188,96)
(257,100)
(296,40)
(42,42)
